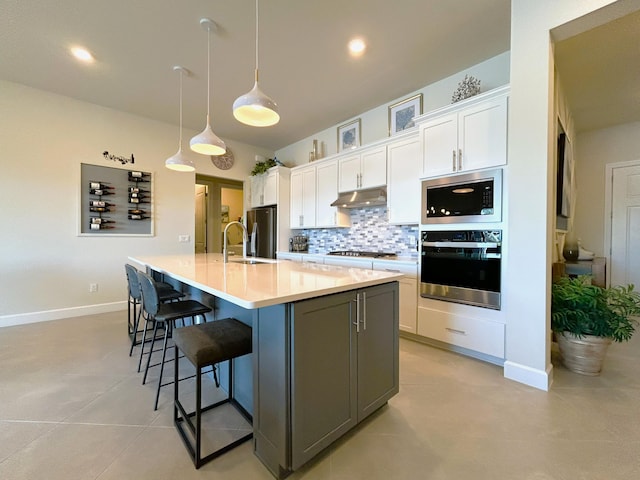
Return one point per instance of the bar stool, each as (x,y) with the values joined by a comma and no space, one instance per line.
(165,314)
(165,291)
(205,345)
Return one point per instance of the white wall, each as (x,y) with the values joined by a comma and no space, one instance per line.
(530,190)
(595,150)
(374,124)
(45,267)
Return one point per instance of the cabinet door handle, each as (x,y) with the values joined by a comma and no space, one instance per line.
(301,220)
(453,160)
(459,159)
(364,310)
(453,330)
(357,322)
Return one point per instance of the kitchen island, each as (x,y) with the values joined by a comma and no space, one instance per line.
(325,345)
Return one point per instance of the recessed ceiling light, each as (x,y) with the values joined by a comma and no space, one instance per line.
(357,47)
(82,54)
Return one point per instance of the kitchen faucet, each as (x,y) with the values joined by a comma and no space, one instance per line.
(245,239)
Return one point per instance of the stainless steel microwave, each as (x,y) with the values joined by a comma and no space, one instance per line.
(465,198)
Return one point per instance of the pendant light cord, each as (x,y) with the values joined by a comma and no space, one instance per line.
(208,71)
(256,41)
(180,144)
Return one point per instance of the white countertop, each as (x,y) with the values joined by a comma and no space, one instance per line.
(263,284)
(407,260)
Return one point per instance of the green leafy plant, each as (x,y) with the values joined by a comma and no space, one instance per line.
(262,167)
(583,309)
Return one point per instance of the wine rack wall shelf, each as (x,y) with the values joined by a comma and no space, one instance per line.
(115,201)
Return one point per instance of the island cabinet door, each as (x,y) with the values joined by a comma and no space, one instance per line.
(377,347)
(323,374)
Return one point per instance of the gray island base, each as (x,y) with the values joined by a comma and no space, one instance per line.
(320,365)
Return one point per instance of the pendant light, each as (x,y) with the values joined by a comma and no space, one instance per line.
(179,162)
(255,108)
(207,142)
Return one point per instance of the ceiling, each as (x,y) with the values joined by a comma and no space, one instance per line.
(304,65)
(600,73)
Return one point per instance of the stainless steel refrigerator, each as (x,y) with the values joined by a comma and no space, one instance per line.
(261,224)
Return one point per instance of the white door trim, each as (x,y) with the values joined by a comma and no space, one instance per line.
(608,207)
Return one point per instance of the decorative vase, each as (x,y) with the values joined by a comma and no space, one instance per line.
(571,249)
(583,355)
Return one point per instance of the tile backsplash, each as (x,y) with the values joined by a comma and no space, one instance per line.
(369,231)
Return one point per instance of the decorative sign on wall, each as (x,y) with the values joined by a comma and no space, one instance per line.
(114,201)
(116,158)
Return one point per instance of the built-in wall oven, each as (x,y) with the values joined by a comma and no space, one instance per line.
(462,266)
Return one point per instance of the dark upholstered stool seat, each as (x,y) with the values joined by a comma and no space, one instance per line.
(205,345)
(214,342)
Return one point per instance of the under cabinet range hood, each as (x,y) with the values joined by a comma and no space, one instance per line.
(372,197)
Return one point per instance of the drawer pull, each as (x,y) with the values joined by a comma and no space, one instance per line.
(392,270)
(453,330)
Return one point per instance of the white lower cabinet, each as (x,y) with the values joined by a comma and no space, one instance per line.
(472,333)
(408,292)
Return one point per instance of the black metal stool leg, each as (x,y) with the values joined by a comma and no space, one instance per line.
(153,341)
(164,353)
(144,336)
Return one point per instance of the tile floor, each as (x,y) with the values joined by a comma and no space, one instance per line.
(72,407)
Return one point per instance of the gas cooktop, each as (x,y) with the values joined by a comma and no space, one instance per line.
(356,253)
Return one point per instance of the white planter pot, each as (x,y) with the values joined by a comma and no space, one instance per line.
(583,355)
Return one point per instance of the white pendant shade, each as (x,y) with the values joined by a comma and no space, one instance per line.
(207,142)
(256,109)
(179,162)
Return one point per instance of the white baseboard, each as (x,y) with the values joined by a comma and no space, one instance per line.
(529,376)
(45,316)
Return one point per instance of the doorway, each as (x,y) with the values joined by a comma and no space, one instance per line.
(624,215)
(217,202)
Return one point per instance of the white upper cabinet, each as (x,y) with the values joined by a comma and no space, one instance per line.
(469,135)
(265,188)
(404,169)
(303,198)
(363,169)
(326,193)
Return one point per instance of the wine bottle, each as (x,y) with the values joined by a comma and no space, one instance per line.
(138,177)
(137,190)
(99,209)
(99,226)
(100,203)
(137,211)
(137,217)
(99,186)
(100,192)
(100,220)
(137,200)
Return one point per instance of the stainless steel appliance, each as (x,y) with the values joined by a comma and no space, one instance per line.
(462,266)
(300,243)
(471,197)
(261,224)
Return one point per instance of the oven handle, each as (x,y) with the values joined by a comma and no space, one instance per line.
(462,244)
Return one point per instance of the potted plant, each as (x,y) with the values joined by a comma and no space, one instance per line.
(586,318)
(262,166)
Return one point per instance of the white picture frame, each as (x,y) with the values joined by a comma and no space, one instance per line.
(401,114)
(349,135)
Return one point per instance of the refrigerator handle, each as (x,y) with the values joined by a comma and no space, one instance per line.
(254,235)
